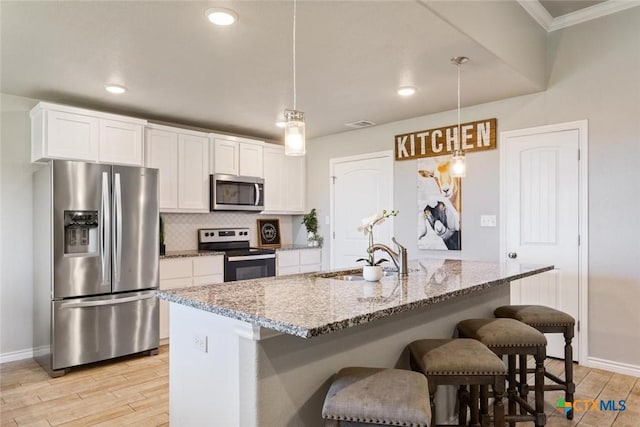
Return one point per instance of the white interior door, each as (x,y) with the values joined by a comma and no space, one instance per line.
(361,186)
(541,223)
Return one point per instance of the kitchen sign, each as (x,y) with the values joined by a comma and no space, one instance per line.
(476,136)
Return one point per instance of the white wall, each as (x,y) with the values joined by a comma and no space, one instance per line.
(16,278)
(593,74)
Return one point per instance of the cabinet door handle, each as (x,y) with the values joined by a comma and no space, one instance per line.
(512,255)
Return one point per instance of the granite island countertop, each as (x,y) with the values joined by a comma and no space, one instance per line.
(312,304)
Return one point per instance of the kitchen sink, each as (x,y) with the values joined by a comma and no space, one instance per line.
(352,275)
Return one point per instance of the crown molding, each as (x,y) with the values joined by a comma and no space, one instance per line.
(546,21)
(537,12)
(593,12)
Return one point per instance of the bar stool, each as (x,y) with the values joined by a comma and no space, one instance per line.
(375,396)
(462,362)
(513,338)
(547,320)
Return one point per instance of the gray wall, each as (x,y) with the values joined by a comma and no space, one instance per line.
(16,277)
(594,71)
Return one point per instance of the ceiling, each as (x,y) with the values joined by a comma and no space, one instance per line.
(351,58)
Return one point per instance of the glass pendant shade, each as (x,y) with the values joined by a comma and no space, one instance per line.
(294,133)
(458,167)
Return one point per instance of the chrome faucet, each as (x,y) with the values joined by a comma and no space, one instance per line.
(399,258)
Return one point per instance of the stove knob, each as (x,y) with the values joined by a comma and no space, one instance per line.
(206,234)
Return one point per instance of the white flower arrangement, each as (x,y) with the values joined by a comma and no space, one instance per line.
(367,228)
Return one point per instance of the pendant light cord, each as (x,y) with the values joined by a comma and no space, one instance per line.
(459,135)
(294,57)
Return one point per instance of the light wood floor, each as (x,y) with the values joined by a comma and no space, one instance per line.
(135,390)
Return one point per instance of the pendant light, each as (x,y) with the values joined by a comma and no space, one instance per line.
(294,127)
(458,160)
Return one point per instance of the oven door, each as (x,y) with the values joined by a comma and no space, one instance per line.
(236,193)
(249,267)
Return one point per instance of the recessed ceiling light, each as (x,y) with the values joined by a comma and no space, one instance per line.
(116,89)
(220,16)
(406,91)
(281,124)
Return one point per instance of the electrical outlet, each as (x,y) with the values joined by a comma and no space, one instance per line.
(487,220)
(200,342)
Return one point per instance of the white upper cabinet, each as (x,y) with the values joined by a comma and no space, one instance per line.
(182,156)
(193,172)
(294,182)
(61,132)
(161,152)
(232,155)
(120,142)
(274,178)
(226,154)
(251,162)
(284,181)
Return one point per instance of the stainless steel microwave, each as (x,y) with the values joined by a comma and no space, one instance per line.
(236,193)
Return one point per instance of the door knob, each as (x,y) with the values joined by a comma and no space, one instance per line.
(512,255)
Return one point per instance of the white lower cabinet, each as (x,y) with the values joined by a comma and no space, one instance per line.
(183,272)
(298,261)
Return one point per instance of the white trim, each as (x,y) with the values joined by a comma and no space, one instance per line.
(610,365)
(12,356)
(332,163)
(537,12)
(549,23)
(593,12)
(582,126)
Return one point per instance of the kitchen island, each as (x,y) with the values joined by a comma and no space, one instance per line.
(262,352)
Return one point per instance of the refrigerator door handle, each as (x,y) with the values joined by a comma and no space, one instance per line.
(105,229)
(257,194)
(117,232)
(110,301)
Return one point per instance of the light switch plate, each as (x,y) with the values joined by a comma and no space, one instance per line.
(487,220)
(327,220)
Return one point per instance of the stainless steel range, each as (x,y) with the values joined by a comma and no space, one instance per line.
(241,261)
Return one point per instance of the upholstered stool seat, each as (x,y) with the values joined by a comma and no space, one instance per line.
(548,320)
(376,396)
(463,362)
(513,338)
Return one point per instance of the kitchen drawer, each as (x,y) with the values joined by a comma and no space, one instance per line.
(208,280)
(310,268)
(288,258)
(175,268)
(284,271)
(181,282)
(310,256)
(208,265)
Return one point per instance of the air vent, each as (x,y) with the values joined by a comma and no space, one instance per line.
(360,124)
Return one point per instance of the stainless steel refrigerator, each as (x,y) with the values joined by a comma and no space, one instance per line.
(95,263)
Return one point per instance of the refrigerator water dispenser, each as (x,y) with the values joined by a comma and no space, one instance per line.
(81,233)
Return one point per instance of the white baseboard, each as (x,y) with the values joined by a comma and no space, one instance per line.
(610,365)
(12,356)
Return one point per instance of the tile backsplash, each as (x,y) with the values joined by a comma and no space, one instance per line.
(181,230)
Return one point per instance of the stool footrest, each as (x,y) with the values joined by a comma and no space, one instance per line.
(552,387)
(524,404)
(554,378)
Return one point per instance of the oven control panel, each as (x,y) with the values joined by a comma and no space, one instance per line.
(215,235)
